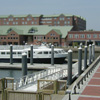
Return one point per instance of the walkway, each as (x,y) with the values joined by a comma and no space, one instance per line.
(90,90)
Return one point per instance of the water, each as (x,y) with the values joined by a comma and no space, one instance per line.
(18,73)
(13,73)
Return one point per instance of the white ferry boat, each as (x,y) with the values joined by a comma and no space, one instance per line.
(41,54)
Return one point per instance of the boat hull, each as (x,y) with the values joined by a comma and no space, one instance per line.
(39,60)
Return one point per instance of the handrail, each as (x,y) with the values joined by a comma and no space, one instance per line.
(54,73)
(82,76)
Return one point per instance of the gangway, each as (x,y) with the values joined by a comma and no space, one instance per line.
(31,80)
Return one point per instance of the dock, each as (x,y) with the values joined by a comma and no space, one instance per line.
(78,81)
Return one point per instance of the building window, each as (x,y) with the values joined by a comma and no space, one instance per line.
(9,30)
(35,18)
(62,18)
(65,22)
(25,22)
(48,22)
(68,22)
(44,37)
(70,35)
(54,22)
(4,23)
(22,18)
(35,37)
(4,19)
(51,34)
(58,22)
(47,37)
(10,18)
(88,36)
(94,35)
(7,23)
(76,36)
(56,37)
(22,22)
(32,22)
(16,18)
(68,17)
(32,31)
(1,37)
(29,18)
(53,37)
(4,43)
(35,22)
(82,36)
(16,22)
(55,17)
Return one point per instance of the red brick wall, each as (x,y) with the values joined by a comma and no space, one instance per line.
(12,38)
(85,33)
(53,37)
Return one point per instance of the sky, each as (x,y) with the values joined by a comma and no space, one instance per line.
(89,9)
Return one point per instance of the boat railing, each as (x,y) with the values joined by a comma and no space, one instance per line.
(52,73)
(16,47)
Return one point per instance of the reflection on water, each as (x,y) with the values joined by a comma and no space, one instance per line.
(13,73)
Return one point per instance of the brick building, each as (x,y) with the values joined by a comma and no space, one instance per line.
(78,22)
(84,37)
(59,29)
(21,34)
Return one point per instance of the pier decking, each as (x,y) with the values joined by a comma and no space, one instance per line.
(48,84)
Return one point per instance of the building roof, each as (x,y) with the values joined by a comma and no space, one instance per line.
(19,16)
(57,15)
(33,15)
(39,30)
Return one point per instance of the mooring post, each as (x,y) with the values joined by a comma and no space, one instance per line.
(81,45)
(90,54)
(31,54)
(11,54)
(69,79)
(79,60)
(24,64)
(52,55)
(93,52)
(85,57)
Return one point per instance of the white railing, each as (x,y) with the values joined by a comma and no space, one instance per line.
(16,47)
(54,73)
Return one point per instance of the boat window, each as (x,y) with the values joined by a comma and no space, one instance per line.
(50,52)
(55,52)
(39,52)
(14,52)
(45,52)
(63,51)
(8,53)
(59,51)
(2,53)
(19,53)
